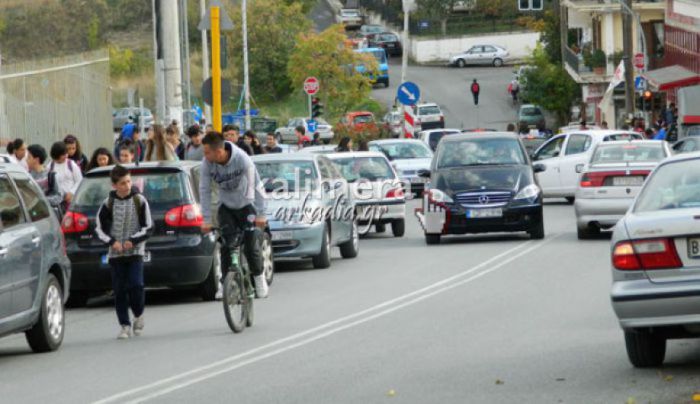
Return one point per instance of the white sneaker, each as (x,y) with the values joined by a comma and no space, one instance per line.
(138,325)
(125,332)
(261,288)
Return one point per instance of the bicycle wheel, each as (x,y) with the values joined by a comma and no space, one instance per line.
(234,299)
(249,294)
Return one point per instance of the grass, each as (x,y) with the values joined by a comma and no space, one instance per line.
(295,105)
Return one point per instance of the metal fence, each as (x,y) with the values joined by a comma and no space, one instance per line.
(458,25)
(42,101)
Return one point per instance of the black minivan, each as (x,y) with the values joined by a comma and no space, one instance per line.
(178,255)
(481,182)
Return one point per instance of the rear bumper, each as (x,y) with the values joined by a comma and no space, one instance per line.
(641,303)
(303,240)
(431,125)
(603,212)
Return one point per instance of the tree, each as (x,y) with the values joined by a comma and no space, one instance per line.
(325,56)
(437,9)
(306,5)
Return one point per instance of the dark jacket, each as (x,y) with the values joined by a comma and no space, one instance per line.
(81,161)
(111,224)
(245,147)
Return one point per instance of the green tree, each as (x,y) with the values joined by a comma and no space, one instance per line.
(325,56)
(438,10)
(306,5)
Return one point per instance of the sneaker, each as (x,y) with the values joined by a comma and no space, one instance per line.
(125,332)
(261,288)
(138,325)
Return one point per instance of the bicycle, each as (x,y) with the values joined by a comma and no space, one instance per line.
(238,291)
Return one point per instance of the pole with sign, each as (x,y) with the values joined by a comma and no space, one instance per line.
(311,86)
(408,94)
(216,68)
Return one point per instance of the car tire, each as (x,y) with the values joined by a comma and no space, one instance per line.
(570,199)
(351,248)
(461,63)
(77,299)
(398,227)
(432,239)
(268,258)
(586,233)
(537,231)
(323,259)
(380,227)
(47,334)
(208,288)
(498,62)
(644,349)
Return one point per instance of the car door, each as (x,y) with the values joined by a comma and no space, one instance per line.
(549,155)
(489,54)
(575,152)
(332,196)
(42,240)
(16,235)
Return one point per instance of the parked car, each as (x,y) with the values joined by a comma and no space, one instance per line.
(299,186)
(611,180)
(407,156)
(563,153)
(382,76)
(358,121)
(122,115)
(388,41)
(431,137)
(178,255)
(427,115)
(287,134)
(323,149)
(376,189)
(656,262)
(4,158)
(481,55)
(481,182)
(351,18)
(532,142)
(35,273)
(531,117)
(687,145)
(371,29)
(393,123)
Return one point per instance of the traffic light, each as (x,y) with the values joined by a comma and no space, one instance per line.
(316,107)
(647,97)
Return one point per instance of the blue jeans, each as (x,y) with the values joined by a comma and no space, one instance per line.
(127,282)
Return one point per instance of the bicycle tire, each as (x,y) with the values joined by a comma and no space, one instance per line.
(235,308)
(249,295)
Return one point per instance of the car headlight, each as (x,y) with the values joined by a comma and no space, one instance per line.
(529,192)
(437,196)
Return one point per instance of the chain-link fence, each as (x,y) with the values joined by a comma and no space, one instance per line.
(42,101)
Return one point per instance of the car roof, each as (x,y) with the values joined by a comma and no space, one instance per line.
(355,154)
(598,133)
(367,50)
(429,131)
(11,168)
(184,165)
(529,106)
(632,141)
(480,135)
(681,157)
(356,113)
(399,140)
(260,158)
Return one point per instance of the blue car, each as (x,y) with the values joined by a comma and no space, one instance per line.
(380,55)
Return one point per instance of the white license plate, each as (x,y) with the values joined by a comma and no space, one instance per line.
(484,213)
(631,181)
(146,258)
(418,180)
(694,247)
(282,235)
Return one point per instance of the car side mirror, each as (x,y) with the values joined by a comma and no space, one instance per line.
(579,168)
(538,168)
(424,173)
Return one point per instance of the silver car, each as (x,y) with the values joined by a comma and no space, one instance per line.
(287,134)
(408,157)
(309,208)
(481,55)
(35,272)
(611,180)
(321,149)
(656,261)
(122,115)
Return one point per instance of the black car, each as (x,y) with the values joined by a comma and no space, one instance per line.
(178,255)
(479,183)
(388,41)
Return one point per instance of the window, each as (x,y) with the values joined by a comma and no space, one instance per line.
(367,168)
(10,207)
(324,167)
(489,49)
(162,190)
(483,151)
(627,153)
(578,144)
(551,149)
(672,186)
(32,197)
(689,145)
(429,110)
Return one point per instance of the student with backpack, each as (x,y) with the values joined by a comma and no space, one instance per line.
(68,174)
(476,89)
(36,157)
(124,224)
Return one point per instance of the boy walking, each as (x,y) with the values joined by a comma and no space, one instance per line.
(124,223)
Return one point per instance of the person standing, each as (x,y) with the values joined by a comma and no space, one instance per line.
(662,132)
(18,153)
(36,157)
(232,134)
(194,150)
(271,145)
(302,139)
(514,90)
(157,148)
(75,152)
(124,223)
(172,135)
(252,140)
(476,89)
(68,175)
(100,158)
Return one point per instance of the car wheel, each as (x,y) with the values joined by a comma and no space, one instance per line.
(351,248)
(645,349)
(570,199)
(432,239)
(587,233)
(268,258)
(398,227)
(497,62)
(323,259)
(460,63)
(537,231)
(380,227)
(47,334)
(210,286)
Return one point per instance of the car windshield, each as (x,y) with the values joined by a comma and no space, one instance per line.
(375,29)
(287,175)
(672,186)
(404,150)
(531,111)
(484,151)
(368,168)
(388,38)
(162,190)
(429,110)
(627,153)
(380,55)
(362,119)
(622,136)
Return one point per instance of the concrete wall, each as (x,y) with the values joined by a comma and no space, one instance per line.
(519,45)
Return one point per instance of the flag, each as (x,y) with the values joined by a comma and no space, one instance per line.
(618,78)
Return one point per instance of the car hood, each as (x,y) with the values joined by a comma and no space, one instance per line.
(463,179)
(411,164)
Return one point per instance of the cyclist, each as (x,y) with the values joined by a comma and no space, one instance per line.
(239,207)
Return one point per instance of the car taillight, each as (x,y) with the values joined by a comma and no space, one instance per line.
(646,254)
(395,193)
(597,178)
(74,222)
(184,216)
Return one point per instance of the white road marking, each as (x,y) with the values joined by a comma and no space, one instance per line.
(185,379)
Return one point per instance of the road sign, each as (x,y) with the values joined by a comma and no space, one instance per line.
(639,61)
(640,83)
(311,85)
(312,125)
(408,93)
(207,91)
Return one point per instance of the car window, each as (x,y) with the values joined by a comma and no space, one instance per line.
(367,168)
(326,173)
(360,119)
(429,110)
(404,150)
(622,136)
(628,152)
(32,197)
(10,207)
(482,151)
(292,175)
(689,145)
(489,49)
(578,144)
(551,149)
(530,111)
(672,186)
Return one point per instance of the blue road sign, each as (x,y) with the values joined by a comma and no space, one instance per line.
(312,125)
(640,83)
(408,93)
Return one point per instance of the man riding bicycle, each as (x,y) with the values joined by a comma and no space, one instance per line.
(240,208)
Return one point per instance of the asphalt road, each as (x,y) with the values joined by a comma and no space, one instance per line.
(493,319)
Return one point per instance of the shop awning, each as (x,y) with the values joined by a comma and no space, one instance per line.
(671,77)
(689,105)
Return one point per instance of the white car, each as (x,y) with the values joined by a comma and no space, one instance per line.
(350,18)
(432,137)
(408,157)
(481,55)
(286,133)
(427,115)
(376,190)
(5,158)
(323,149)
(563,153)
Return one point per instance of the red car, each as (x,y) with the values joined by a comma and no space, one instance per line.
(359,121)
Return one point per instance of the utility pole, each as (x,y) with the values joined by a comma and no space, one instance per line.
(246,74)
(407,6)
(158,62)
(187,86)
(170,40)
(629,54)
(216,66)
(205,56)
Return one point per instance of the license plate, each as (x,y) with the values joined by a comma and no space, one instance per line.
(694,247)
(146,258)
(418,180)
(631,181)
(282,235)
(484,213)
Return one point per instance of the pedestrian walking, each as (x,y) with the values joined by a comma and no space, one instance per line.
(124,224)
(476,89)
(194,150)
(514,90)
(100,158)
(316,141)
(68,175)
(75,152)
(271,145)
(157,147)
(36,157)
